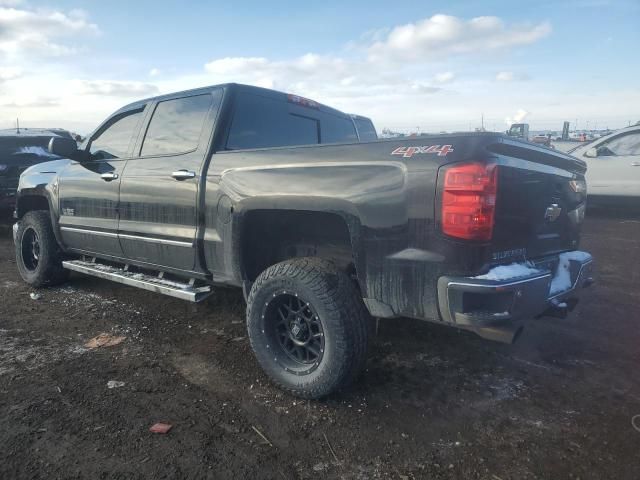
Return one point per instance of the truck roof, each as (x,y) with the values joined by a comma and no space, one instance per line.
(239,87)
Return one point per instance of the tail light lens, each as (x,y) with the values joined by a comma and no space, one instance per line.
(469,201)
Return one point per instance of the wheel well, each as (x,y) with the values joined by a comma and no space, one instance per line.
(271,236)
(31,202)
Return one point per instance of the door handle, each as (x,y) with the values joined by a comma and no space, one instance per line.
(183,174)
(107,177)
(635,164)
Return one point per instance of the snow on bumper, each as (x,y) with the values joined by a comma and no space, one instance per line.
(513,292)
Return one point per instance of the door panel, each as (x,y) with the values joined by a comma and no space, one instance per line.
(615,171)
(89,191)
(159,189)
(614,176)
(89,206)
(158,212)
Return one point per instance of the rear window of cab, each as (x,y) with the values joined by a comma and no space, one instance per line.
(263,122)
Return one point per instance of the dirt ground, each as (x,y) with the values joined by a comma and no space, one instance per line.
(434,403)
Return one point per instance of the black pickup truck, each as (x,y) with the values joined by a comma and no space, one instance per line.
(19,149)
(242,186)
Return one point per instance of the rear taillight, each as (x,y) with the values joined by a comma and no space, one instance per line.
(469,200)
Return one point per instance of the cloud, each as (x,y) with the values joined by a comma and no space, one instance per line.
(33,103)
(321,76)
(511,77)
(443,35)
(308,69)
(392,62)
(399,76)
(236,65)
(444,77)
(9,73)
(116,88)
(39,32)
(519,117)
(504,76)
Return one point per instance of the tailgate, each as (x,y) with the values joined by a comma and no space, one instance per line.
(540,201)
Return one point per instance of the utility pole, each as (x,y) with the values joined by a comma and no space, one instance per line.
(18,126)
(482,120)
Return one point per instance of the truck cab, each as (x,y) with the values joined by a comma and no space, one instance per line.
(519,130)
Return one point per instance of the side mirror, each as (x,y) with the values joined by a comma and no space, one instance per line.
(63,147)
(591,153)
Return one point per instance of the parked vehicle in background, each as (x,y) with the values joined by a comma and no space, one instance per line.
(364,128)
(20,149)
(519,130)
(248,187)
(613,172)
(542,140)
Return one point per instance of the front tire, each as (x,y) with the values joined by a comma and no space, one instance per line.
(308,326)
(38,255)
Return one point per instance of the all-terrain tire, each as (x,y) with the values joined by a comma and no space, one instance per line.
(325,294)
(44,268)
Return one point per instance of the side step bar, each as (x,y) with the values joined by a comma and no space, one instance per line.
(184,291)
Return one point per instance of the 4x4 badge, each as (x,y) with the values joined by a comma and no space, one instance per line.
(409,152)
(553,212)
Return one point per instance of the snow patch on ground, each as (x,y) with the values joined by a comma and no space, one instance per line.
(506,272)
(72,297)
(25,354)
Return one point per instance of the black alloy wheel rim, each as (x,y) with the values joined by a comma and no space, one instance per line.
(294,332)
(30,247)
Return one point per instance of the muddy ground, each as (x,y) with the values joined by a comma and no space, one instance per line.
(434,402)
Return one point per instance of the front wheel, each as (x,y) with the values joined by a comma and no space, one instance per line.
(308,326)
(38,255)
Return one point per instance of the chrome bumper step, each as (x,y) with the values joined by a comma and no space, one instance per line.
(185,291)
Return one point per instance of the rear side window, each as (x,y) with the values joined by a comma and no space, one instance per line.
(114,141)
(366,130)
(176,125)
(261,122)
(336,129)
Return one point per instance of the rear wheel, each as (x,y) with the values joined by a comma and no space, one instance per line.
(308,326)
(38,255)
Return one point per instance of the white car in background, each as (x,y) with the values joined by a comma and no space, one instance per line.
(613,167)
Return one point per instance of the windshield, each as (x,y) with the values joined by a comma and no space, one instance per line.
(516,130)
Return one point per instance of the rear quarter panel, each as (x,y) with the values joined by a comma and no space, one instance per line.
(386,199)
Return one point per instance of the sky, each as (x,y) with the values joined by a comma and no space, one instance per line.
(424,66)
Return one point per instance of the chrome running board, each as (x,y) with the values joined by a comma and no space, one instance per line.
(158,284)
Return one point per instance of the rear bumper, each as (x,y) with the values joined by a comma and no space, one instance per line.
(487,306)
